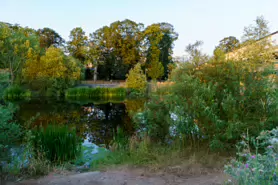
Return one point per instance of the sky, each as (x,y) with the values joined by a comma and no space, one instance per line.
(206,20)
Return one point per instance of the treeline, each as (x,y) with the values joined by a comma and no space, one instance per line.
(110,52)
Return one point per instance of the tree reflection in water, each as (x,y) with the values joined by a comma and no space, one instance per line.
(96,122)
(103,120)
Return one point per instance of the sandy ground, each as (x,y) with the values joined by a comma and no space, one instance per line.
(127,177)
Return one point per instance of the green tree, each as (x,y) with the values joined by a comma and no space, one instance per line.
(78,44)
(152,37)
(228,44)
(136,79)
(257,31)
(48,37)
(195,55)
(255,46)
(16,46)
(166,46)
(117,47)
(155,70)
(53,72)
(50,65)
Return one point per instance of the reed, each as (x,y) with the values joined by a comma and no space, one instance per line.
(58,143)
(16,93)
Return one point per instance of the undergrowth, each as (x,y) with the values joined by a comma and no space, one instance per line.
(154,157)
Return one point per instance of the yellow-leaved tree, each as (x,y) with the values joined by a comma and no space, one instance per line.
(50,65)
(136,79)
(53,72)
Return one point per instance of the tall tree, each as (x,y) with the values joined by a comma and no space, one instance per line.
(195,55)
(16,46)
(49,37)
(228,44)
(78,44)
(50,65)
(152,37)
(159,41)
(257,31)
(117,47)
(254,47)
(166,46)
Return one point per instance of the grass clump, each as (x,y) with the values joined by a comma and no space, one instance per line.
(84,92)
(16,93)
(58,143)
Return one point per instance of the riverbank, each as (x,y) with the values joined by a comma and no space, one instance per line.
(191,165)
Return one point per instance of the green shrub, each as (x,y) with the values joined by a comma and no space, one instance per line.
(218,101)
(10,135)
(83,92)
(58,143)
(15,92)
(136,79)
(10,132)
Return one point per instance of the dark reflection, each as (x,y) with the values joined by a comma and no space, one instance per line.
(103,120)
(96,122)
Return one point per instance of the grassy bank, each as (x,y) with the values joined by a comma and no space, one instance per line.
(84,92)
(177,157)
(16,93)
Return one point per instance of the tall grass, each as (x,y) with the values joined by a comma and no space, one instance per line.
(192,159)
(85,92)
(58,143)
(16,93)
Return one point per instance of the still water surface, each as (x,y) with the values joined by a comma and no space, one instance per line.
(96,121)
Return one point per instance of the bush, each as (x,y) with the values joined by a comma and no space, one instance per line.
(15,92)
(10,131)
(83,92)
(256,168)
(58,143)
(217,101)
(154,119)
(136,79)
(10,135)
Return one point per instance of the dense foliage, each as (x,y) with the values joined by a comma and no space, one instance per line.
(216,98)
(10,131)
(53,72)
(136,79)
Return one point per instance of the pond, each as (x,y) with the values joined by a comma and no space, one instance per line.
(95,121)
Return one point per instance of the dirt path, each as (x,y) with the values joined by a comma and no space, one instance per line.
(127,177)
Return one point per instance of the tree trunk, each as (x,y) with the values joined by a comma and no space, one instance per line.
(95,74)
